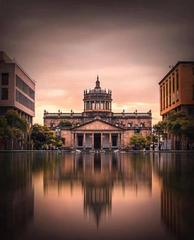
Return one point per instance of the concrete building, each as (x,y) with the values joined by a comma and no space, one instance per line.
(17,89)
(97,127)
(177,89)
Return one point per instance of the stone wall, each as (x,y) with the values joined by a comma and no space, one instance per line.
(67,137)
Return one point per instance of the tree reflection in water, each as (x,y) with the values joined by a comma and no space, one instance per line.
(176,172)
(16,194)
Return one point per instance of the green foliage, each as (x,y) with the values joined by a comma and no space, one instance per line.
(179,127)
(161,128)
(12,127)
(64,124)
(44,138)
(15,121)
(138,141)
(150,139)
(178,124)
(4,130)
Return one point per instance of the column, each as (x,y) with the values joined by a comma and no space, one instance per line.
(110,141)
(169,93)
(118,140)
(101,140)
(122,140)
(92,140)
(175,87)
(75,140)
(84,141)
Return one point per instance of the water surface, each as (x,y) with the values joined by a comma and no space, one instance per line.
(50,195)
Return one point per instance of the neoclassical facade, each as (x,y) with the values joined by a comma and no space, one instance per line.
(97,127)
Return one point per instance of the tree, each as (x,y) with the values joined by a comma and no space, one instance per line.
(138,141)
(179,127)
(161,129)
(44,138)
(151,139)
(17,127)
(38,136)
(15,121)
(4,132)
(13,129)
(64,124)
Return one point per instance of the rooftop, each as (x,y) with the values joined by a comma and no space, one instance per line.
(97,89)
(174,67)
(6,59)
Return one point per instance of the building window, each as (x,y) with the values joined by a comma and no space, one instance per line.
(164,97)
(161,108)
(137,130)
(142,124)
(173,85)
(24,87)
(130,124)
(166,94)
(177,81)
(4,94)
(63,140)
(24,100)
(4,78)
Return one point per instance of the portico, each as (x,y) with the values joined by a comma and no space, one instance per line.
(97,140)
(97,134)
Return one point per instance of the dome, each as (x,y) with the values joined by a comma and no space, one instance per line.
(97,99)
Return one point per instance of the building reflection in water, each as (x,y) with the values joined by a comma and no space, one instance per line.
(98,174)
(16,195)
(176,173)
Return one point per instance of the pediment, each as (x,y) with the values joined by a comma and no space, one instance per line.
(98,125)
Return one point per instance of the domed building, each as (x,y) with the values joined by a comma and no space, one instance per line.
(97,102)
(98,127)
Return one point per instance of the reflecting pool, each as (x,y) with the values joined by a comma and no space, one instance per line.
(53,195)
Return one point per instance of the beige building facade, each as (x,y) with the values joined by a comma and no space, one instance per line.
(97,127)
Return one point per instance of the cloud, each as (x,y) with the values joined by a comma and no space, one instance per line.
(43,94)
(63,45)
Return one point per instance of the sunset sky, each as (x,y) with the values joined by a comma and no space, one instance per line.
(63,45)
